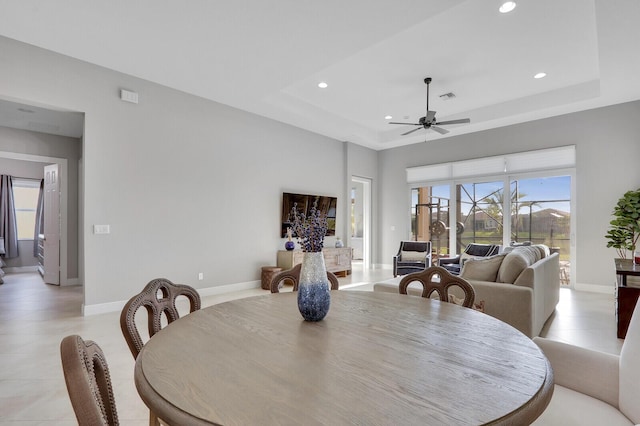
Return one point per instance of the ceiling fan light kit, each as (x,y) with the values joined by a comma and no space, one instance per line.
(429,120)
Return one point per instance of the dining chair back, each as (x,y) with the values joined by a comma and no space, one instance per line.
(630,369)
(86,374)
(592,386)
(293,275)
(158,298)
(439,280)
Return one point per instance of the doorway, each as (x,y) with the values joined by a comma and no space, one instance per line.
(62,244)
(360,223)
(26,126)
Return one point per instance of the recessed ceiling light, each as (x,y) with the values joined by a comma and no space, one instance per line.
(540,75)
(323,85)
(507,6)
(388,117)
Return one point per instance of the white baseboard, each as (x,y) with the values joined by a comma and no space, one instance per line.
(70,282)
(223,289)
(603,289)
(20,269)
(103,308)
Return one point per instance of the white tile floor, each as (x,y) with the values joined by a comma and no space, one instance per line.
(34,317)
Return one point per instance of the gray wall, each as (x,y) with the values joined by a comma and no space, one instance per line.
(187,185)
(44,145)
(363,162)
(608,154)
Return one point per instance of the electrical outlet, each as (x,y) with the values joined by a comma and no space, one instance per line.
(200,276)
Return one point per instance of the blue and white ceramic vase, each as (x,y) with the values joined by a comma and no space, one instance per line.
(314,295)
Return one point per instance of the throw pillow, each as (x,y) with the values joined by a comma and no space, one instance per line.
(533,253)
(482,269)
(459,300)
(466,256)
(512,266)
(412,256)
(544,250)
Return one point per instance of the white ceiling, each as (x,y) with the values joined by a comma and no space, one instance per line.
(267,57)
(18,115)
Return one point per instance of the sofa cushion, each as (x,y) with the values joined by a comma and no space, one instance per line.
(412,256)
(482,269)
(512,266)
(479,306)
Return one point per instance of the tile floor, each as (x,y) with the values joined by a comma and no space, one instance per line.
(34,317)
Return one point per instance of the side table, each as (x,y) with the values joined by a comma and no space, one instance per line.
(268,272)
(626,297)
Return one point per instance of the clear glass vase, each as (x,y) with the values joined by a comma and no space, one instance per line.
(314,296)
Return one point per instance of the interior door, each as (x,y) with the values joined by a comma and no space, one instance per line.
(52,224)
(360,239)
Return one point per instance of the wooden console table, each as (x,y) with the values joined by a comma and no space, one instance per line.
(626,297)
(337,260)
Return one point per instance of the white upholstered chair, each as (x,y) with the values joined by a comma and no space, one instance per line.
(594,388)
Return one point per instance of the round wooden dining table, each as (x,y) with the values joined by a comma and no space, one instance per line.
(376,359)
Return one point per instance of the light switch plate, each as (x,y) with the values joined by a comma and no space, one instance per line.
(101,229)
(129,96)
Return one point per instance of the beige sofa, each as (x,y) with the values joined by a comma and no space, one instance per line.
(520,286)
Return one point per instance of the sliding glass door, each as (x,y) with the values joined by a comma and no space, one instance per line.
(430,218)
(539,213)
(479,213)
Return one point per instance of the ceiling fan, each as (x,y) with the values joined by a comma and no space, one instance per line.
(429,120)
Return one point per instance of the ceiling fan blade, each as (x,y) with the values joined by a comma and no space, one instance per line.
(461,121)
(406,124)
(440,130)
(430,116)
(411,131)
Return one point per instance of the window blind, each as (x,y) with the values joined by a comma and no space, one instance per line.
(528,161)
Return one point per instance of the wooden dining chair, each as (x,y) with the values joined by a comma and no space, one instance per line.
(86,374)
(293,275)
(438,279)
(158,298)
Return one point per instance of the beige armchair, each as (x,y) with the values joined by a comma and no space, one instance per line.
(594,388)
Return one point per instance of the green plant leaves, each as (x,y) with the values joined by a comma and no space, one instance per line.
(624,229)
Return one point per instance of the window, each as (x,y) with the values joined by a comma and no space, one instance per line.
(540,214)
(25,197)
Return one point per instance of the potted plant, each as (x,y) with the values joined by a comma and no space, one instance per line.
(624,230)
